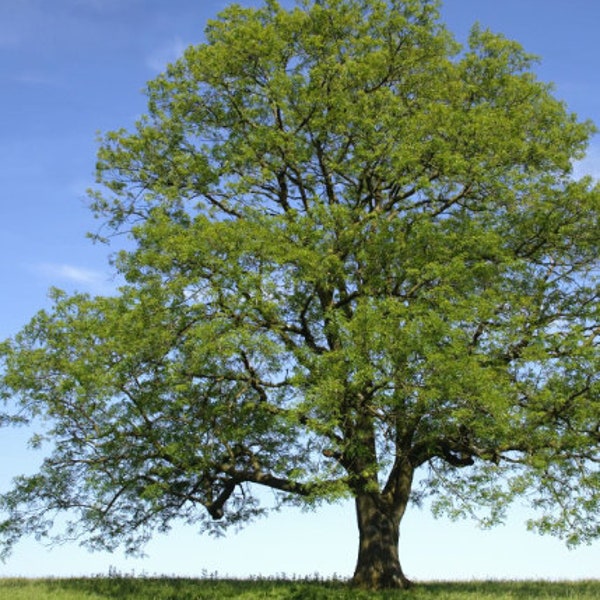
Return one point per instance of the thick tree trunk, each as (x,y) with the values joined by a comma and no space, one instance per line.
(378,565)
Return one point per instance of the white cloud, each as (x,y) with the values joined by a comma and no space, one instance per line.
(34,78)
(103,5)
(165,54)
(85,279)
(590,165)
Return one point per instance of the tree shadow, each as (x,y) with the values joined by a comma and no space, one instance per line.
(174,588)
(130,588)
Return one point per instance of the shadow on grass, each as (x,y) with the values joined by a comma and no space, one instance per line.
(164,588)
(125,588)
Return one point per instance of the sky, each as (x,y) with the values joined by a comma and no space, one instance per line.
(70,69)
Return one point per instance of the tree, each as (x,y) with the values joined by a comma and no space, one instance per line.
(359,266)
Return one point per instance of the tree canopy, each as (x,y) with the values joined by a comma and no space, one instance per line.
(359,265)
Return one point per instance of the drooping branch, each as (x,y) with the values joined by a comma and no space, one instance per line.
(215,508)
(254,473)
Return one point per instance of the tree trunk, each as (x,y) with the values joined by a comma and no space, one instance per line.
(378,564)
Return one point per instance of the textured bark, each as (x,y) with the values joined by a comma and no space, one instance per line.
(378,564)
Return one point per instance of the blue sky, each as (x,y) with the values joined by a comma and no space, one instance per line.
(72,68)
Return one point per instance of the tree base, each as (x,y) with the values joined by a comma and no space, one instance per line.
(377,580)
(378,565)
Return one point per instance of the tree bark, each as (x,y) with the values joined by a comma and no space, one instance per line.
(378,564)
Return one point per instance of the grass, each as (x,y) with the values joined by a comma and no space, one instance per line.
(163,588)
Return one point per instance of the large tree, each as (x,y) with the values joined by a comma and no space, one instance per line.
(359,266)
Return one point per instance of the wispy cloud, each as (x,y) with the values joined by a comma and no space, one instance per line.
(35,78)
(590,165)
(89,280)
(104,5)
(165,54)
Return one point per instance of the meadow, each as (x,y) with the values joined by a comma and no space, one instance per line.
(163,588)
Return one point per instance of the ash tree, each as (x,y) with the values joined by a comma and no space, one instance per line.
(359,266)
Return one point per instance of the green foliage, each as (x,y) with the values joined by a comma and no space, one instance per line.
(357,252)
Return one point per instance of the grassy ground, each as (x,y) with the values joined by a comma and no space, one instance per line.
(126,588)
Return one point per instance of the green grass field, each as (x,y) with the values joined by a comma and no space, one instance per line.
(127,588)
